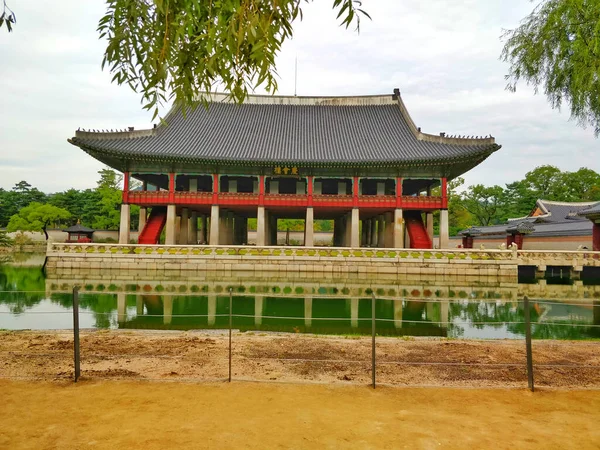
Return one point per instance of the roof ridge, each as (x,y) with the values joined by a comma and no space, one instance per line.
(559,203)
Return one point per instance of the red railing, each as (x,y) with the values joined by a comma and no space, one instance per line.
(155,198)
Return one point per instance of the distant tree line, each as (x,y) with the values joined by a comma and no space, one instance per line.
(25,208)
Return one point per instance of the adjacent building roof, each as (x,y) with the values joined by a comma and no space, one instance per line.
(78,228)
(547,211)
(308,131)
(593,211)
(548,218)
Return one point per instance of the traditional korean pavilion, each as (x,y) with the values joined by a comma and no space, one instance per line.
(359,161)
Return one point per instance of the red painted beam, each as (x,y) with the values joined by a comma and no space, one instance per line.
(172,187)
(125,187)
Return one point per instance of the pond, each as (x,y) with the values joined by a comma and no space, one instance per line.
(28,300)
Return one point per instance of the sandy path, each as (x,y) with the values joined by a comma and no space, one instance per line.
(296,357)
(128,415)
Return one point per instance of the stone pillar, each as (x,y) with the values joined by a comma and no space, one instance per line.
(223,238)
(177,229)
(232,185)
(354,232)
(183,227)
(300,188)
(389,230)
(398,229)
(193,228)
(142,221)
(429,222)
(373,238)
(274,187)
(341,188)
(381,231)
(193,184)
(444,313)
(309,228)
(125,224)
(139,305)
(363,233)
(261,226)
(381,188)
(121,307)
(444,233)
(170,225)
(167,309)
(203,231)
(231,219)
(255,189)
(307,311)
(367,226)
(214,225)
(258,308)
(245,231)
(347,229)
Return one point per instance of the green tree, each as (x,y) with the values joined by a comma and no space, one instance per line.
(483,203)
(557,48)
(35,216)
(583,185)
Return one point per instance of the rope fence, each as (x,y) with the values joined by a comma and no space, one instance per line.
(375,358)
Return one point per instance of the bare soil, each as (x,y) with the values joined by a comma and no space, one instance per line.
(135,414)
(203,356)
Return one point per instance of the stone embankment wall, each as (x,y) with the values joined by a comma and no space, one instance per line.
(74,260)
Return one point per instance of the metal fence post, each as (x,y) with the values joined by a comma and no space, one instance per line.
(76,356)
(373,339)
(528,343)
(230,325)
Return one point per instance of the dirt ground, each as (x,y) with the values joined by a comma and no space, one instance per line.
(136,414)
(203,356)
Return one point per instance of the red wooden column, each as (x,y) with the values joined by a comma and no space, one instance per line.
(398,192)
(172,188)
(309,191)
(215,188)
(355,192)
(444,193)
(596,237)
(519,241)
(125,187)
(261,190)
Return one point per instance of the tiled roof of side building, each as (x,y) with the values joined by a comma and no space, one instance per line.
(554,211)
(593,210)
(344,130)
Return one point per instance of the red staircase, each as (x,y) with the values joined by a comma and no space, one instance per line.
(417,232)
(154,226)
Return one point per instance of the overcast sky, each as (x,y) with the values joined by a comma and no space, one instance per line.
(442,54)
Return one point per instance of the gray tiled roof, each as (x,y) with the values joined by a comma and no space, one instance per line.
(566,228)
(302,132)
(564,211)
(595,209)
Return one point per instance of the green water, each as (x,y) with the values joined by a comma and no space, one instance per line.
(30,301)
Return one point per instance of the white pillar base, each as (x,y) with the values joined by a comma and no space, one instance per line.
(170,225)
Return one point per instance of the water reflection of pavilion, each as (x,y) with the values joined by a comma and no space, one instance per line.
(275,313)
(342,307)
